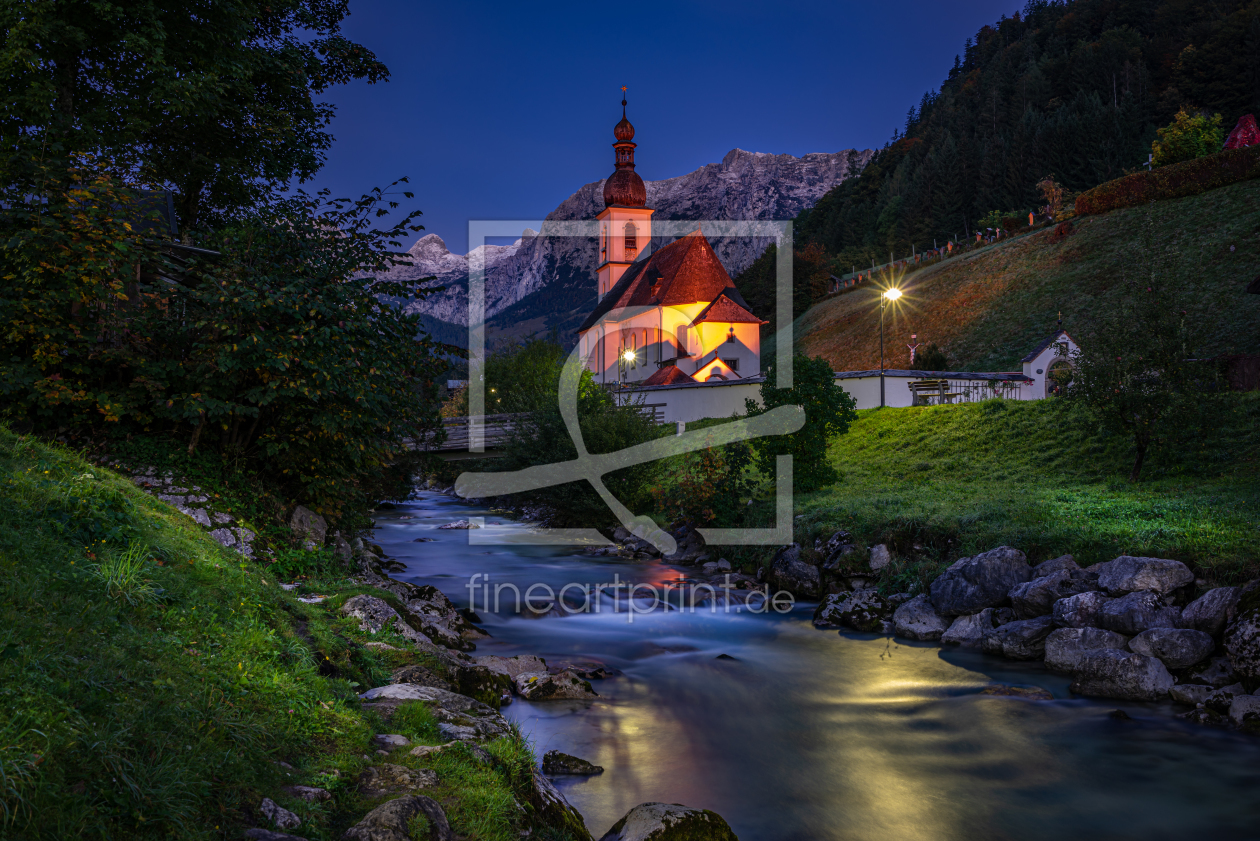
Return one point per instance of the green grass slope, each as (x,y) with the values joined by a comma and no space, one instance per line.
(151,682)
(988,309)
(948,481)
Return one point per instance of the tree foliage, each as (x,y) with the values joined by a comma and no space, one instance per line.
(1075,88)
(829,411)
(1187,137)
(282,350)
(215,100)
(1136,369)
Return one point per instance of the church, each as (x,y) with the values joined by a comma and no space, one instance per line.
(664,317)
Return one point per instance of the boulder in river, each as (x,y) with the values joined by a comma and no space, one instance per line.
(1037,597)
(1079,611)
(554,762)
(1137,612)
(1065,563)
(512,666)
(1245,709)
(1176,648)
(1242,639)
(918,620)
(970,585)
(1190,694)
(1111,673)
(669,822)
(1065,646)
(1212,612)
(1024,639)
(967,631)
(1215,672)
(391,821)
(789,572)
(1129,574)
(861,610)
(540,686)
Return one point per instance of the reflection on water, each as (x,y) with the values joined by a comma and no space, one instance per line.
(817,735)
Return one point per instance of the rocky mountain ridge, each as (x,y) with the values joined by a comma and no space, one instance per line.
(561,270)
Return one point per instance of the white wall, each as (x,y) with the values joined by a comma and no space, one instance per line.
(688,403)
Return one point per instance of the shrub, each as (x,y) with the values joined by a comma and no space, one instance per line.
(1188,178)
(829,410)
(1187,137)
(705,486)
(931,358)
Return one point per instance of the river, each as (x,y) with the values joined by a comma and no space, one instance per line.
(816,735)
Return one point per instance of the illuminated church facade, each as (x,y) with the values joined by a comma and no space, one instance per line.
(664,317)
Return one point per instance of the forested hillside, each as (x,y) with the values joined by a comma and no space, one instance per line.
(1074,89)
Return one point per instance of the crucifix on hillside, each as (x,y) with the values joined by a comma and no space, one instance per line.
(914,346)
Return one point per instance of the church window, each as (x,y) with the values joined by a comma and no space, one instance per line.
(632,241)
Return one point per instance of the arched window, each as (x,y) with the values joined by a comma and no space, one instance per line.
(632,242)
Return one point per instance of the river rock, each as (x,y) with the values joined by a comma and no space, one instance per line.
(552,810)
(1024,639)
(1245,708)
(381,780)
(513,666)
(918,620)
(1037,597)
(1129,574)
(1063,563)
(459,717)
(419,675)
(554,762)
(1176,648)
(1190,694)
(478,681)
(389,821)
(1065,646)
(1111,673)
(880,557)
(1212,612)
(789,572)
(836,546)
(1216,672)
(1079,611)
(310,794)
(459,525)
(861,610)
(373,613)
(341,548)
(389,741)
(1242,638)
(669,822)
(540,686)
(278,815)
(968,631)
(970,585)
(309,527)
(1002,690)
(1137,612)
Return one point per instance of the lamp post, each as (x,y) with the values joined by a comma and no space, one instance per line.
(889,295)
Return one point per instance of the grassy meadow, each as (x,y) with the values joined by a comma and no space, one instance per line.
(942,482)
(989,308)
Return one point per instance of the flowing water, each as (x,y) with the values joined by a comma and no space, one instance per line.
(809,734)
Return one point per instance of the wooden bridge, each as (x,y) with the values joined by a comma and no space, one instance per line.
(494,431)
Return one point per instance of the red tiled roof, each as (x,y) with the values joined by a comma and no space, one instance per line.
(669,375)
(726,311)
(684,272)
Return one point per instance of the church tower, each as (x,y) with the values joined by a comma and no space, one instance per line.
(625,225)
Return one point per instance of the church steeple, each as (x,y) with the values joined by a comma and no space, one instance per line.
(624,188)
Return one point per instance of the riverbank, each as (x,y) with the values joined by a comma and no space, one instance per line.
(157,683)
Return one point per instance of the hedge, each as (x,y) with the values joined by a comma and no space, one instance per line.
(1188,178)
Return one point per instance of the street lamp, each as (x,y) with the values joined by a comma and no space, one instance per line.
(624,361)
(889,295)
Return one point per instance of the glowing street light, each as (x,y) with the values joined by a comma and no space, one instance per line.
(628,356)
(887,297)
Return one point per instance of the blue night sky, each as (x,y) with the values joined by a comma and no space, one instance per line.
(502,110)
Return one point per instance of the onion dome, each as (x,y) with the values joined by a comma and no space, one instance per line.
(624,187)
